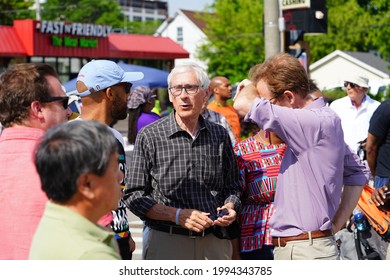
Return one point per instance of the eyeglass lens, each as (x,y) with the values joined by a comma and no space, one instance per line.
(352,85)
(128,87)
(190,89)
(64,99)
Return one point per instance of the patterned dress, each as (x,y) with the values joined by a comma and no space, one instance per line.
(259,167)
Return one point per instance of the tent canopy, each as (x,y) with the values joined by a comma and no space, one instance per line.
(153,77)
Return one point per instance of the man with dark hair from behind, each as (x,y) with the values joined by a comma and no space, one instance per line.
(104,88)
(82,182)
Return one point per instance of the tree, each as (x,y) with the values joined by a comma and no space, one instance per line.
(235,38)
(84,11)
(148,27)
(354,25)
(15,9)
(236,41)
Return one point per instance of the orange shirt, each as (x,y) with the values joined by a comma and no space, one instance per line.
(231,116)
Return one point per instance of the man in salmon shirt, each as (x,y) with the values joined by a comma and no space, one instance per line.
(31,101)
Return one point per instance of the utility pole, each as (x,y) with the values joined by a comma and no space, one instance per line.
(38,10)
(271,28)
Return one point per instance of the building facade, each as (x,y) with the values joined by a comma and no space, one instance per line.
(68,46)
(141,10)
(186,29)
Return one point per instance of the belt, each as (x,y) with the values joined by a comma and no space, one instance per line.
(172,229)
(282,241)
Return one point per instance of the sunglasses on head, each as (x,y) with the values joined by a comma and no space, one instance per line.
(64,99)
(352,85)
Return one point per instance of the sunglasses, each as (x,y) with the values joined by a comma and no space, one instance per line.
(127,87)
(352,85)
(64,99)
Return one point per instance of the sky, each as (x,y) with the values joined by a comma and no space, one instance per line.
(192,5)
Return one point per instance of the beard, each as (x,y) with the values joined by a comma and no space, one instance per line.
(119,109)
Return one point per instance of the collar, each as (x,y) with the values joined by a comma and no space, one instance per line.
(77,221)
(173,127)
(22,132)
(217,103)
(316,104)
(365,98)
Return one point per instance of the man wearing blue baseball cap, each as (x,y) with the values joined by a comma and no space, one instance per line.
(104,87)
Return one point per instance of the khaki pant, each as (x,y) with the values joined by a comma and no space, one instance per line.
(158,245)
(312,249)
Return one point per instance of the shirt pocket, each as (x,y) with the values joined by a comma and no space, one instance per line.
(212,170)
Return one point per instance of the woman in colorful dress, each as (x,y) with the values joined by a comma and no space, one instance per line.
(259,158)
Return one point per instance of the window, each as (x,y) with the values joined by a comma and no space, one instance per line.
(179,35)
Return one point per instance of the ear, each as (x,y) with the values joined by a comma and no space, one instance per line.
(170,96)
(290,97)
(85,185)
(215,90)
(36,110)
(207,95)
(109,93)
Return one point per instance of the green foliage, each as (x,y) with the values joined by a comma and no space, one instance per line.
(335,93)
(15,9)
(383,94)
(235,38)
(85,11)
(354,25)
(236,41)
(143,27)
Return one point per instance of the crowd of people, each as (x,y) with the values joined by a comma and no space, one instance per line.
(202,190)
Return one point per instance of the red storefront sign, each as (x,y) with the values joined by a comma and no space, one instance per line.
(61,39)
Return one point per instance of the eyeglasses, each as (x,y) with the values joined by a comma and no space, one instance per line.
(64,99)
(352,85)
(127,87)
(190,89)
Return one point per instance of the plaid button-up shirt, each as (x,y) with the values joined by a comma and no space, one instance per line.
(171,168)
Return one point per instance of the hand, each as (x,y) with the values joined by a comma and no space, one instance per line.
(240,86)
(378,197)
(226,220)
(195,220)
(131,244)
(244,98)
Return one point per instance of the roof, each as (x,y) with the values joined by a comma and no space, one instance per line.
(194,17)
(191,16)
(366,60)
(144,46)
(372,60)
(11,46)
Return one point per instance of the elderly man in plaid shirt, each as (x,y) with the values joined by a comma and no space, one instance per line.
(183,180)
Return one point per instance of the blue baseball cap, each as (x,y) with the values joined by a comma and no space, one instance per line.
(101,74)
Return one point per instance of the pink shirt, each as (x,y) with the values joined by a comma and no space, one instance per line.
(21,198)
